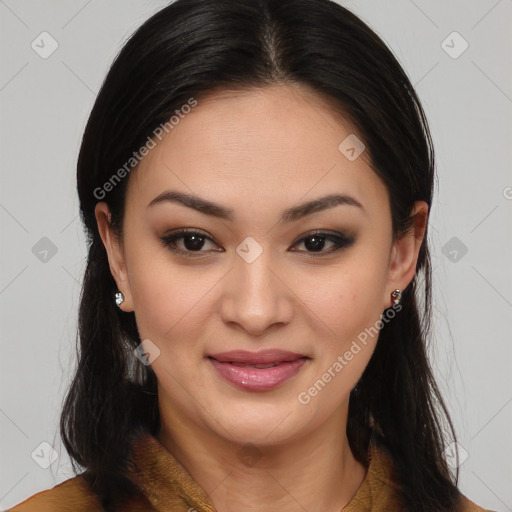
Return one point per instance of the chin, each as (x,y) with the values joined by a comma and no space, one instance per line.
(261,428)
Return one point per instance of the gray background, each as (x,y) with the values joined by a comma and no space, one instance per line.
(44,107)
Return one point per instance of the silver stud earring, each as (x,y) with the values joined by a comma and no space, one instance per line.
(119,298)
(396,296)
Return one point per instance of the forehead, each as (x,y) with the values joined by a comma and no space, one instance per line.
(278,143)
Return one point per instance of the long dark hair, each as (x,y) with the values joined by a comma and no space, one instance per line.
(189,49)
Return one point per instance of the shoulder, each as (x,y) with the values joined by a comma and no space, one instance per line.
(384,492)
(73,494)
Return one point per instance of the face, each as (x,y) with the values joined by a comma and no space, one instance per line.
(267,274)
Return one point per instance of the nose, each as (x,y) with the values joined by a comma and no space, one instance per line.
(256,296)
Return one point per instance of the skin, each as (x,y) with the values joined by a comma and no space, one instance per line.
(259,151)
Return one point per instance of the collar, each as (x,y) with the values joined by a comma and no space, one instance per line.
(167,485)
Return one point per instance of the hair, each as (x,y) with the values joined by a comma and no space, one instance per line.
(194,47)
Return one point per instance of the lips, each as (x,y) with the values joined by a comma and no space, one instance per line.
(257,371)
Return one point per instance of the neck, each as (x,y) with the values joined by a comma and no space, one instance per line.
(317,472)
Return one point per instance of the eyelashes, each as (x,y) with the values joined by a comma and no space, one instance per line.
(196,240)
(316,241)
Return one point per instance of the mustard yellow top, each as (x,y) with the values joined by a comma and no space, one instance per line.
(168,487)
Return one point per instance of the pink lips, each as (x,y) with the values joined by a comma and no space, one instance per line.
(257,371)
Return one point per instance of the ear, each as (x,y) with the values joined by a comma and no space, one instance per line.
(115,254)
(404,253)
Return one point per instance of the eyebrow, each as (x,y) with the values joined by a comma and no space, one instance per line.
(289,215)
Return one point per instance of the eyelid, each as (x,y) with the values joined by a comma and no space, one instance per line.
(322,232)
(179,233)
(341,240)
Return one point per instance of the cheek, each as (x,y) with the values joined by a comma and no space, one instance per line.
(346,299)
(161,297)
(170,301)
(346,307)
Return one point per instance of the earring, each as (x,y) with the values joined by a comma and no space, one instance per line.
(396,296)
(119,299)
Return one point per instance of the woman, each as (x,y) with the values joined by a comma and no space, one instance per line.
(255,181)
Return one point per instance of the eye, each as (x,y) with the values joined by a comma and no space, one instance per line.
(193,242)
(316,241)
(189,241)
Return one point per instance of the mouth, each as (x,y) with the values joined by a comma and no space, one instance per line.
(257,371)
(246,358)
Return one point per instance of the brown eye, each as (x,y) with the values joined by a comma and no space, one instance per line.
(192,242)
(316,242)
